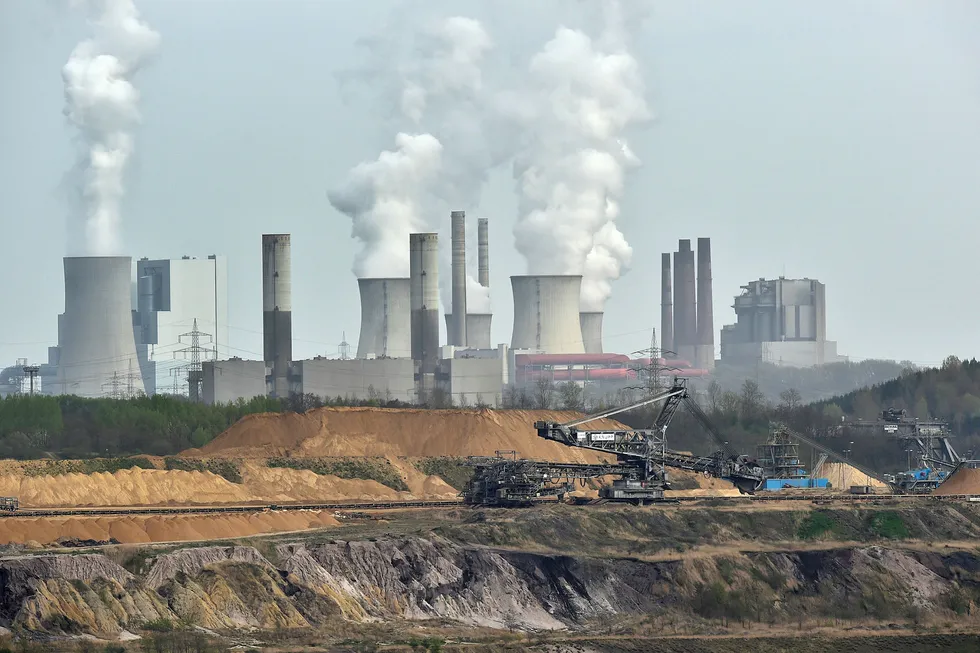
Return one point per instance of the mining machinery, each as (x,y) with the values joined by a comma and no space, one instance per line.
(504,481)
(644,451)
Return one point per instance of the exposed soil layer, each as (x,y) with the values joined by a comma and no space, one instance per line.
(842,476)
(396,432)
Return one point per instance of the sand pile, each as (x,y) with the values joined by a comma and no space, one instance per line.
(158,528)
(396,432)
(843,476)
(127,487)
(963,481)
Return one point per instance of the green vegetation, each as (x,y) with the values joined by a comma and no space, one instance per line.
(371,469)
(815,525)
(161,625)
(87,466)
(229,469)
(72,427)
(450,469)
(889,525)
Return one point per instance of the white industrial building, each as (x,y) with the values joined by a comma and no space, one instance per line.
(170,296)
(227,381)
(780,321)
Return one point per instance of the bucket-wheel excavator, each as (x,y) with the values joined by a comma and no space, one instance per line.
(645,454)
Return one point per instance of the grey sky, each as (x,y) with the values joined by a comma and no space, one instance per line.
(835,140)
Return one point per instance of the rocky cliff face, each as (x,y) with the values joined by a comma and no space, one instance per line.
(236,587)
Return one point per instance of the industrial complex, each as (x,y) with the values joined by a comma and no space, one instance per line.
(162,327)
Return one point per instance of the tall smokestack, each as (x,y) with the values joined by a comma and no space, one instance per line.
(546,313)
(685,301)
(706,325)
(666,305)
(277,306)
(483,251)
(97,348)
(424,297)
(457,331)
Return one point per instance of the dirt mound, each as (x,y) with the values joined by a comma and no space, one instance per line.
(843,476)
(397,432)
(158,528)
(962,481)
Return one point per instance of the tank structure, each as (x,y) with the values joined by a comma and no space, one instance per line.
(424,295)
(277,321)
(386,322)
(97,348)
(457,326)
(546,314)
(591,325)
(477,329)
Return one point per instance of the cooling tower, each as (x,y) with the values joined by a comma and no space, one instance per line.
(666,306)
(424,294)
(477,329)
(483,251)
(705,353)
(685,301)
(457,330)
(97,355)
(277,321)
(591,324)
(386,318)
(546,314)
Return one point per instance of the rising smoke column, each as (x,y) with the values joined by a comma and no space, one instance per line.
(102,102)
(433,75)
(385,198)
(570,174)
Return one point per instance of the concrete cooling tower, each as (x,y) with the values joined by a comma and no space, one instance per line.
(97,355)
(477,329)
(591,323)
(277,309)
(386,318)
(546,314)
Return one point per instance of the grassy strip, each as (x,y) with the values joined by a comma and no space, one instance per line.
(88,466)
(379,470)
(227,469)
(448,468)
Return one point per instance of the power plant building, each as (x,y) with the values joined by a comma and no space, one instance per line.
(386,318)
(546,314)
(170,296)
(96,354)
(230,380)
(780,321)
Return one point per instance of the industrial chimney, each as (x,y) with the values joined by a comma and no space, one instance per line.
(546,314)
(685,301)
(457,330)
(424,294)
(483,251)
(591,323)
(705,354)
(277,320)
(386,322)
(97,348)
(666,305)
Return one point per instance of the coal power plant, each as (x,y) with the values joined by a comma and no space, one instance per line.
(687,316)
(110,339)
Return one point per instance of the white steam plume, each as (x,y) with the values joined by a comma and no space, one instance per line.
(433,74)
(102,102)
(570,175)
(385,199)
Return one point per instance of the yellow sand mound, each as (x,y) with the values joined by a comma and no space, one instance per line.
(963,481)
(396,432)
(158,528)
(842,476)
